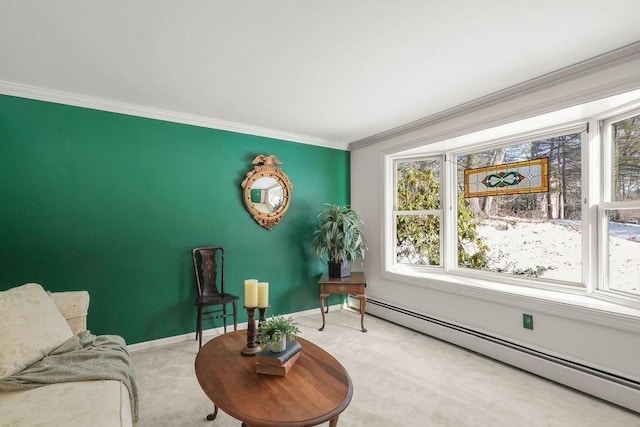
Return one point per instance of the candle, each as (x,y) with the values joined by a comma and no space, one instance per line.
(263,294)
(251,292)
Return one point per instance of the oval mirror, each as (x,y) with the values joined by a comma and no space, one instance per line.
(267,191)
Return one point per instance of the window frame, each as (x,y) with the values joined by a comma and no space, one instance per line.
(593,207)
(606,203)
(439,213)
(570,128)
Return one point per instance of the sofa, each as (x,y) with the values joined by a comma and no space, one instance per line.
(53,372)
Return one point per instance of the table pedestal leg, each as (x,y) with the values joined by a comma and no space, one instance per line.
(363,305)
(323,297)
(213,416)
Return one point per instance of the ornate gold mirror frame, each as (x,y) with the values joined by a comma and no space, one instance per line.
(267,191)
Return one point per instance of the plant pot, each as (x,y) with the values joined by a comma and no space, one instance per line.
(339,269)
(278,346)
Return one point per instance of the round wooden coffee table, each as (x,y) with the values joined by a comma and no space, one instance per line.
(316,389)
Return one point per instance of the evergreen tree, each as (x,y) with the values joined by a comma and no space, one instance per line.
(418,236)
(626,174)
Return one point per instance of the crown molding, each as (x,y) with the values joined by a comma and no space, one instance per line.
(585,68)
(48,95)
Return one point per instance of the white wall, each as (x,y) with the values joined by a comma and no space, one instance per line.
(597,334)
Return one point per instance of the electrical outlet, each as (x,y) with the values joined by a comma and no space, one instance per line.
(527,321)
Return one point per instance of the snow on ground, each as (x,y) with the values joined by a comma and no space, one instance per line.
(553,247)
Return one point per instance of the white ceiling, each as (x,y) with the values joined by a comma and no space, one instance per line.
(327,72)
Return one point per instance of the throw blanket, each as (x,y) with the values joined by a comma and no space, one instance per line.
(83,357)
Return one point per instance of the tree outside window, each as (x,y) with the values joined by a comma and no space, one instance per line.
(621,255)
(534,234)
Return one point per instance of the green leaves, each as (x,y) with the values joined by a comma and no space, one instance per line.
(273,329)
(417,189)
(418,236)
(472,251)
(340,236)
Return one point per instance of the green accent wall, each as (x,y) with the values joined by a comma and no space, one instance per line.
(113,204)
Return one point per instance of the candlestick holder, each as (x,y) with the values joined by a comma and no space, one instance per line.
(252,347)
(263,311)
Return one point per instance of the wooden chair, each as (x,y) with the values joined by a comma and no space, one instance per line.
(206,261)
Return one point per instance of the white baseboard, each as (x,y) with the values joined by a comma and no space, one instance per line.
(617,391)
(210,332)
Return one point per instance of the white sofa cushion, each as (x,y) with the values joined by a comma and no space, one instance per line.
(73,305)
(72,404)
(30,327)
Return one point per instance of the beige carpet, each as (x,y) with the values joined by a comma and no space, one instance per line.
(400,378)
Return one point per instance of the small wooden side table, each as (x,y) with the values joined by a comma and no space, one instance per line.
(353,284)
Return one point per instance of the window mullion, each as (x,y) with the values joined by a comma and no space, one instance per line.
(449,229)
(434,212)
(606,186)
(591,195)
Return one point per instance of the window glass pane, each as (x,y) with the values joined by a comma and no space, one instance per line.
(513,224)
(626,159)
(418,185)
(623,269)
(418,189)
(418,240)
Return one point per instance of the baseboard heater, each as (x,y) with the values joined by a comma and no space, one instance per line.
(620,384)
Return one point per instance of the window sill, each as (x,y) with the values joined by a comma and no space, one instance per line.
(567,302)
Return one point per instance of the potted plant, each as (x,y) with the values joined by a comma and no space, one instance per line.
(340,237)
(274,332)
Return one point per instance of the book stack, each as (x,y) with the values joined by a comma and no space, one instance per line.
(270,363)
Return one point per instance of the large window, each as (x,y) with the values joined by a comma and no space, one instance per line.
(525,230)
(620,209)
(519,208)
(418,212)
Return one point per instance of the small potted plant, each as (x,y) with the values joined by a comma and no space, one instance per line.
(274,332)
(340,237)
